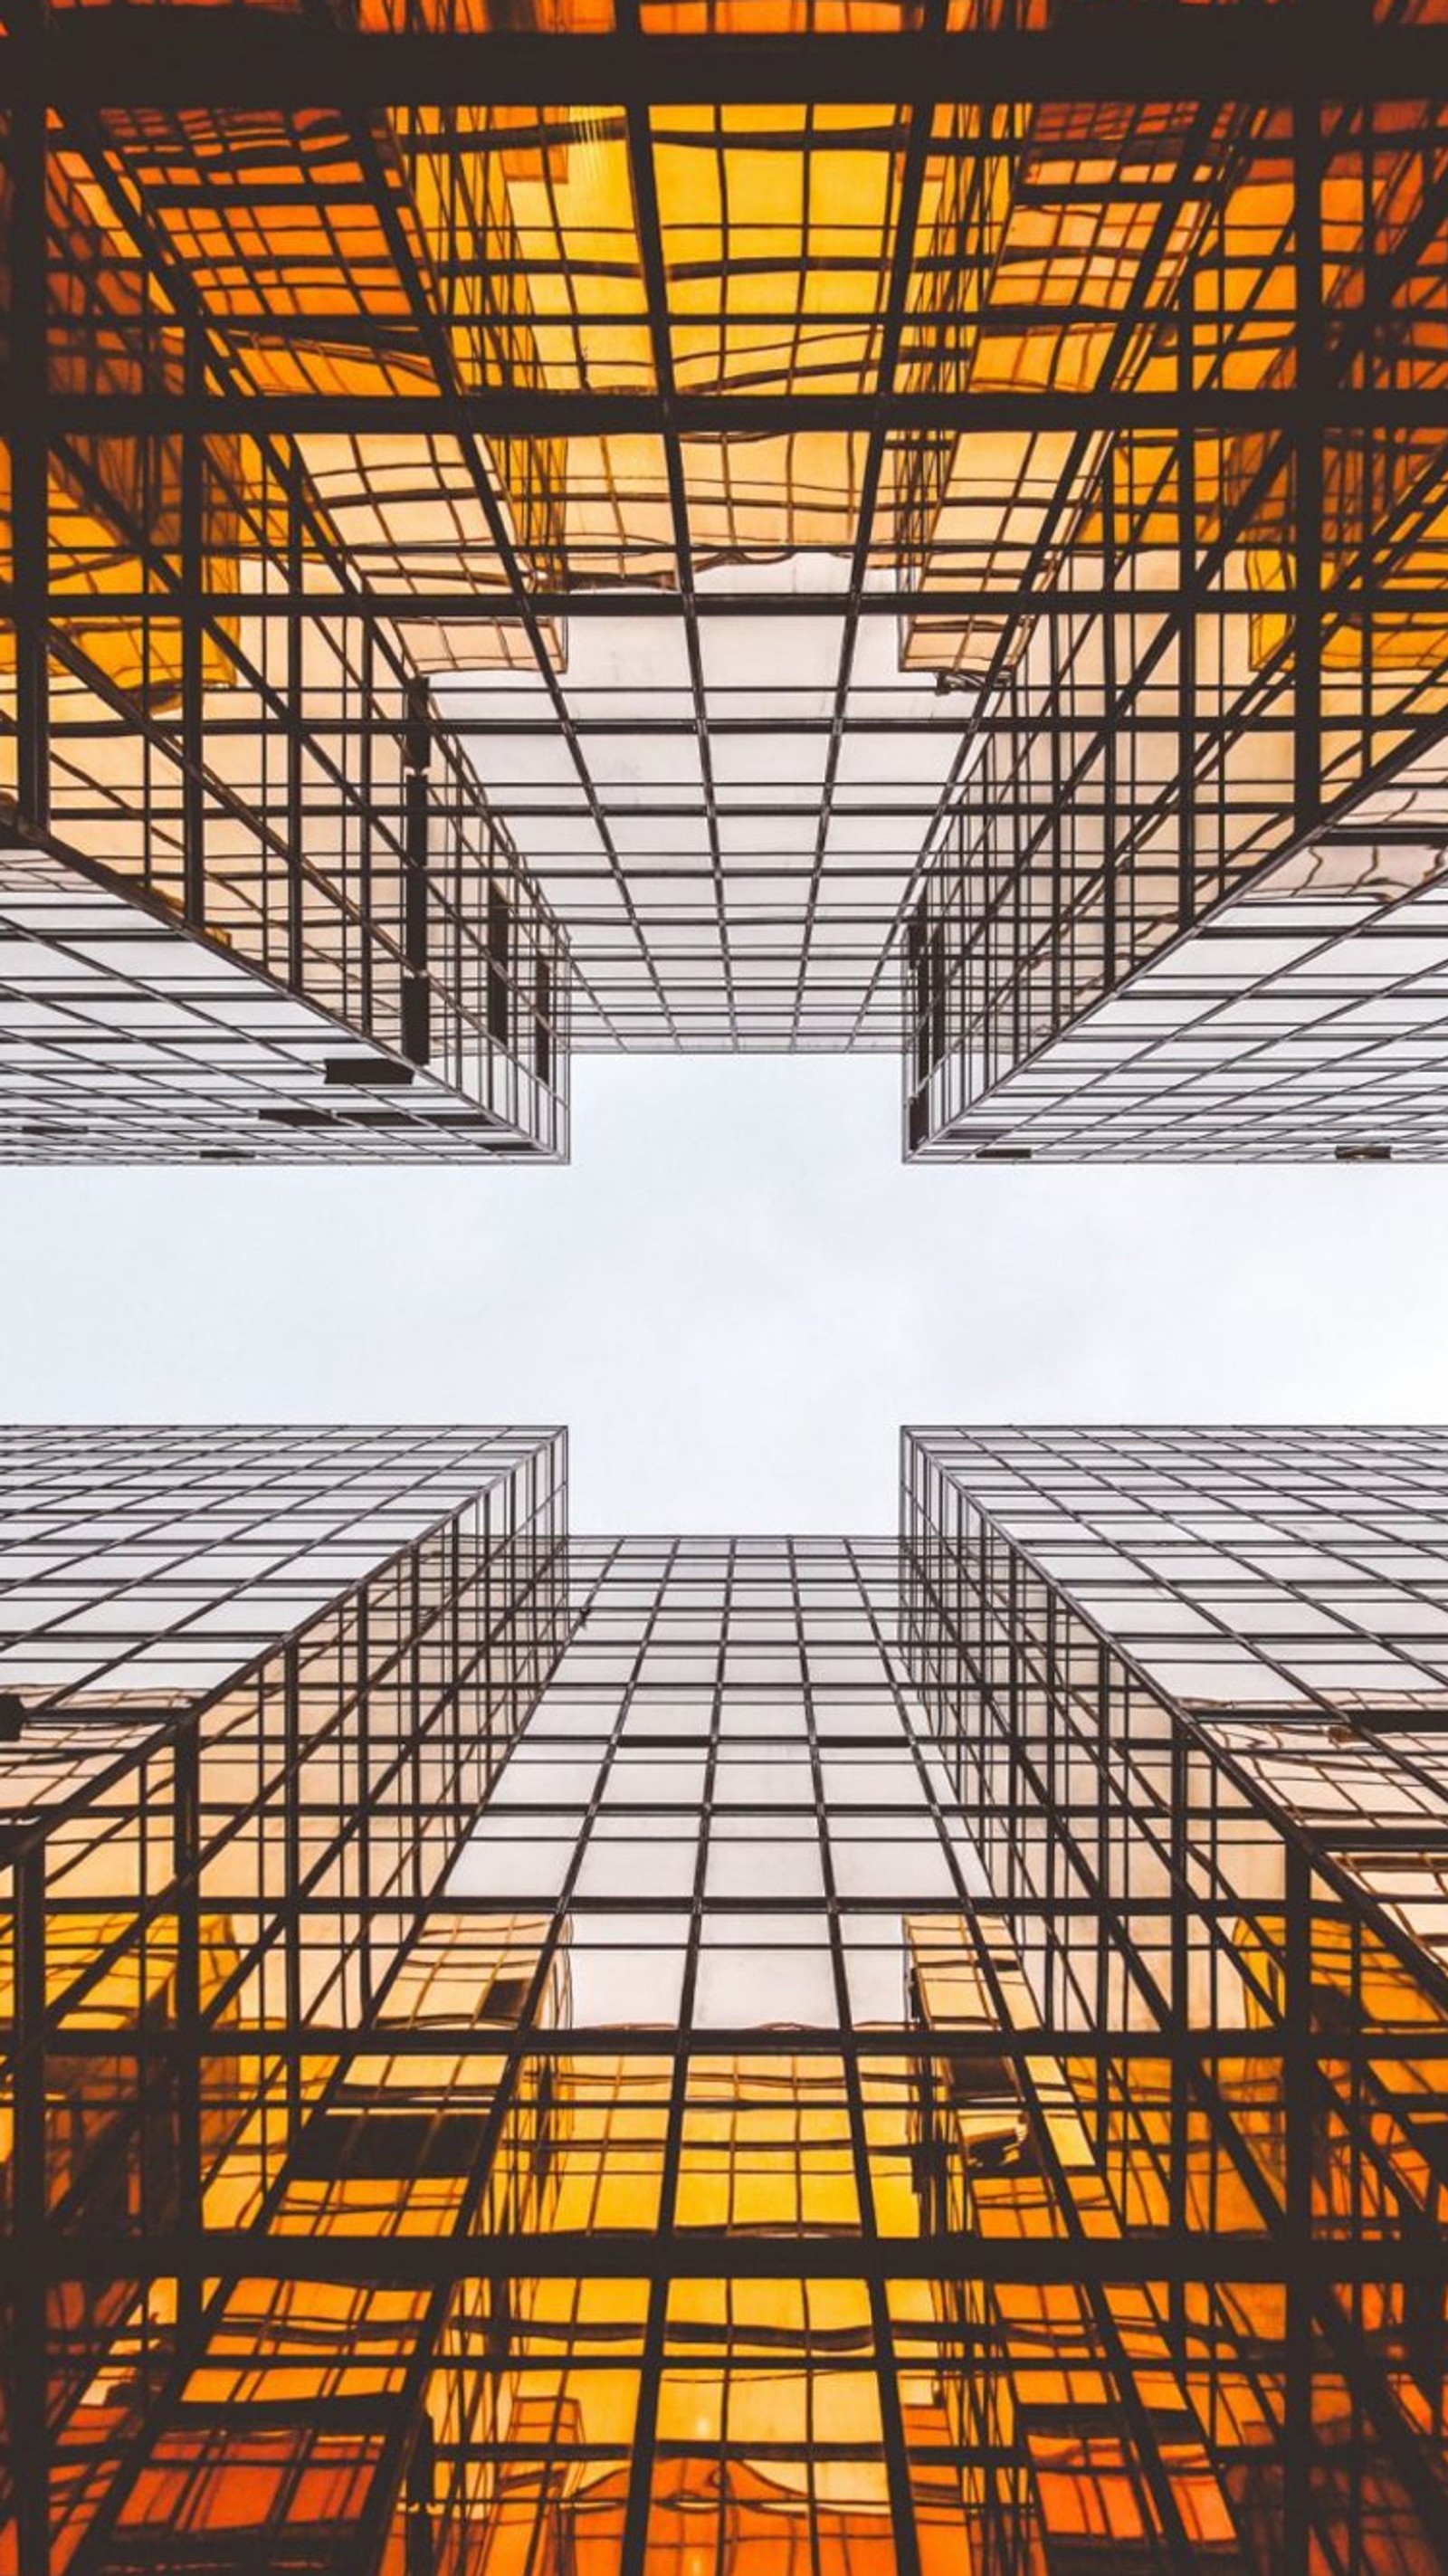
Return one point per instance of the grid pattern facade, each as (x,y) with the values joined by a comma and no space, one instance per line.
(732,871)
(753,2137)
(163,1563)
(1135,755)
(1302,1019)
(202,707)
(124,1039)
(783,466)
(258,1684)
(1189,1689)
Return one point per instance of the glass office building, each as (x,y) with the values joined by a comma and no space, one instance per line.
(740,525)
(1227,649)
(254,1686)
(1189,1687)
(752,2055)
(1300,1021)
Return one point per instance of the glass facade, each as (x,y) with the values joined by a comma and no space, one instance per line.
(1227,640)
(257,900)
(1189,1689)
(716,504)
(122,1039)
(1303,1020)
(750,2055)
(254,1688)
(723,524)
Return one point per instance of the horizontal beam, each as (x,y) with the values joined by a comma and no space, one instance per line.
(566,413)
(709,2254)
(661,599)
(1302,50)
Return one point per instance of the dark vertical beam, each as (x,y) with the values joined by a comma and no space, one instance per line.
(413,1723)
(416,837)
(543,1019)
(1297,2116)
(365,833)
(460,1676)
(295,732)
(1061,906)
(30,2445)
(1019,882)
(1102,1764)
(1109,763)
(1052,1885)
(363,1652)
(455,919)
(1186,618)
(500,954)
(1307,165)
(29,360)
(186,2081)
(193,641)
(917,1023)
(288,1688)
(1180,2027)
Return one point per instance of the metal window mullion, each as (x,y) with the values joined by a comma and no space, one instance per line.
(29,444)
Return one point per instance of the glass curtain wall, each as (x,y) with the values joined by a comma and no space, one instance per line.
(873,2086)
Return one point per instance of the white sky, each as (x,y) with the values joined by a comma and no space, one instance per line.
(734,1297)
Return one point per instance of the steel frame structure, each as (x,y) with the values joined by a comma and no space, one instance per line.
(251,881)
(1081,369)
(773,2052)
(1274,661)
(263,1682)
(1304,1018)
(1189,1686)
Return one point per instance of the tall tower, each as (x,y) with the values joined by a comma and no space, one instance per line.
(806,2052)
(257,1684)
